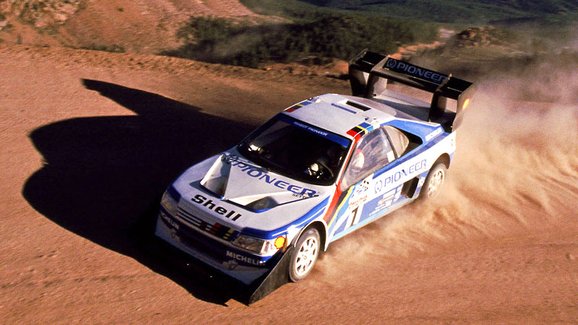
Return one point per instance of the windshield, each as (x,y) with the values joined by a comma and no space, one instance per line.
(297,150)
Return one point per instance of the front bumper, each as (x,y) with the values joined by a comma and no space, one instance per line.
(233,262)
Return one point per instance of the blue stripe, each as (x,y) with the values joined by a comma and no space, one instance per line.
(419,129)
(302,221)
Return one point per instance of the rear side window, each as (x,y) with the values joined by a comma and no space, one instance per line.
(399,140)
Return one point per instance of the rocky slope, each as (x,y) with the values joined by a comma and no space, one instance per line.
(145,26)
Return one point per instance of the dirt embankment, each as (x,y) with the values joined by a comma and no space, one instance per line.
(142,26)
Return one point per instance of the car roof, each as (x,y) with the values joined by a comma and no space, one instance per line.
(340,113)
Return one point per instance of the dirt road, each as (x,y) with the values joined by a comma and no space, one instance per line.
(89,139)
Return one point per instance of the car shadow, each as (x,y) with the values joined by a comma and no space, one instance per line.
(102,175)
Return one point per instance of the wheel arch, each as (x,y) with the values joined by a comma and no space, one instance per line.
(321,228)
(444,159)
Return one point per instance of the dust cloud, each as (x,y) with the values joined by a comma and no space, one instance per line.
(514,173)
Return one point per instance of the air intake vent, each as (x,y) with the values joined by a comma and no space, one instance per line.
(358,106)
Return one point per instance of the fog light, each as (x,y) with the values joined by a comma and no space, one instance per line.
(279,242)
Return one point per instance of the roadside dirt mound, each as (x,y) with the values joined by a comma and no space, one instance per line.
(144,26)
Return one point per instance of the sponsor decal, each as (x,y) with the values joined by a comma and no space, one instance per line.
(209,204)
(360,193)
(387,200)
(242,258)
(407,68)
(311,129)
(384,183)
(264,176)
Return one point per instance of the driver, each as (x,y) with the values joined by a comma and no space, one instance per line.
(324,166)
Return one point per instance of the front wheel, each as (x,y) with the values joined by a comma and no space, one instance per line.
(305,255)
(434,181)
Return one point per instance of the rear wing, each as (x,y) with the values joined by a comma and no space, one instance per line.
(369,73)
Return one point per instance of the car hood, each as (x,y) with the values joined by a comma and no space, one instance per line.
(251,196)
(240,181)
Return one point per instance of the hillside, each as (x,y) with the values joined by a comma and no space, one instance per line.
(259,33)
(458,11)
(144,26)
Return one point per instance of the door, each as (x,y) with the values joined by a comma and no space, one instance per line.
(377,178)
(372,153)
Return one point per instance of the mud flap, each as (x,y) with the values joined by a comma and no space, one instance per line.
(270,281)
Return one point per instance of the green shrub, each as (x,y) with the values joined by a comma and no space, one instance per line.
(322,35)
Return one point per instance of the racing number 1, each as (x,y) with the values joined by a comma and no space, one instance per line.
(354,217)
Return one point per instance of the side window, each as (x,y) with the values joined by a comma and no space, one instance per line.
(399,140)
(373,152)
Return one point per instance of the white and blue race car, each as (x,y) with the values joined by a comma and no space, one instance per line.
(316,172)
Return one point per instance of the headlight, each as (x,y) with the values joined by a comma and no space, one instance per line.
(260,246)
(169,203)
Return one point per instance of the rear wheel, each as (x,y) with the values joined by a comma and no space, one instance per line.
(434,181)
(305,255)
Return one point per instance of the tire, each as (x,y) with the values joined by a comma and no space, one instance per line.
(434,182)
(305,255)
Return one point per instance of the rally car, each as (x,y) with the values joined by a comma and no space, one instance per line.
(316,172)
